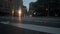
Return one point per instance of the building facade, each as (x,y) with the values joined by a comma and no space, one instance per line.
(9,6)
(24,10)
(5,7)
(31,8)
(46,7)
(17,5)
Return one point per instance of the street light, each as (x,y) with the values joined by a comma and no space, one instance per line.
(12,12)
(19,12)
(34,13)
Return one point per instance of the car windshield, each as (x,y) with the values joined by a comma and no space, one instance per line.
(29,16)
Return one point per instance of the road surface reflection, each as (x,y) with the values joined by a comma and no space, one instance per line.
(19,19)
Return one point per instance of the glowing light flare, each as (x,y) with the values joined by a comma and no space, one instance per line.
(34,13)
(19,20)
(19,12)
(30,15)
(19,15)
(12,11)
(46,9)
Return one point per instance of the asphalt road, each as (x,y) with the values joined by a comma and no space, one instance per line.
(40,21)
(8,29)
